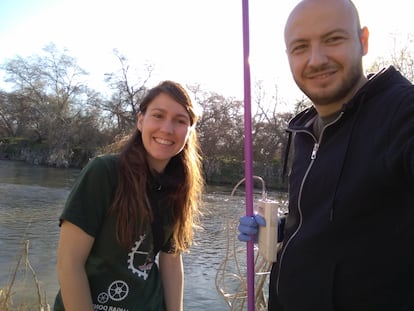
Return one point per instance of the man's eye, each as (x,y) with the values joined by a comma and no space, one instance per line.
(298,49)
(334,40)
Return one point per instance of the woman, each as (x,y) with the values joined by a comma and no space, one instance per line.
(127,208)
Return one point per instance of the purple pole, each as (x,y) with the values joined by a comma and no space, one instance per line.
(248,154)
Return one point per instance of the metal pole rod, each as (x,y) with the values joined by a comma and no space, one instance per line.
(248,154)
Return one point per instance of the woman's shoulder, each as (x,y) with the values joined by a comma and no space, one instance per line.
(104,160)
(103,163)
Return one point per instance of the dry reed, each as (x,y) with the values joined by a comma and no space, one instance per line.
(6,293)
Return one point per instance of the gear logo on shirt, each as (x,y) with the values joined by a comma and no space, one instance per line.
(142,270)
(118,290)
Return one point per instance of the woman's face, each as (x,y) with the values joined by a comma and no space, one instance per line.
(165,128)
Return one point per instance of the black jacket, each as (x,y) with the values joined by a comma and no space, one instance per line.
(349,235)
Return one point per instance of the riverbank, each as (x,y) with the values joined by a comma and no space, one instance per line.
(35,153)
(217,171)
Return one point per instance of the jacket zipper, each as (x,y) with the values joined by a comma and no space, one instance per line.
(313,158)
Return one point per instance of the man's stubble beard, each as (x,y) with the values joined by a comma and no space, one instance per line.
(347,86)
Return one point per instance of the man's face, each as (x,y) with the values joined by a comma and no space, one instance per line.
(325,49)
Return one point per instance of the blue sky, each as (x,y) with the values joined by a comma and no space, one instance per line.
(191,41)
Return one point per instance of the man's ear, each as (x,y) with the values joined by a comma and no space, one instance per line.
(364,36)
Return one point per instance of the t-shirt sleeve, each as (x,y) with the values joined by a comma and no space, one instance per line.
(168,246)
(91,195)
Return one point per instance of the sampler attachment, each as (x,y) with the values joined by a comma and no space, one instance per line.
(268,209)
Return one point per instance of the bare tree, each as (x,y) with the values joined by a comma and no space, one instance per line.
(220,127)
(128,89)
(49,100)
(50,86)
(401,57)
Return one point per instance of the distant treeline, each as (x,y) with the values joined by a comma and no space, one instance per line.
(50,116)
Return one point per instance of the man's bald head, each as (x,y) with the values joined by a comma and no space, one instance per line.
(344,6)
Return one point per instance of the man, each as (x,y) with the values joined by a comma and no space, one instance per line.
(349,236)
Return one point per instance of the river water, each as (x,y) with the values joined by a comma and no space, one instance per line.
(31,200)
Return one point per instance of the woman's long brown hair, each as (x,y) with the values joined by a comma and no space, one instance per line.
(131,205)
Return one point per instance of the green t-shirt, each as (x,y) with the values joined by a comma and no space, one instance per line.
(119,279)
